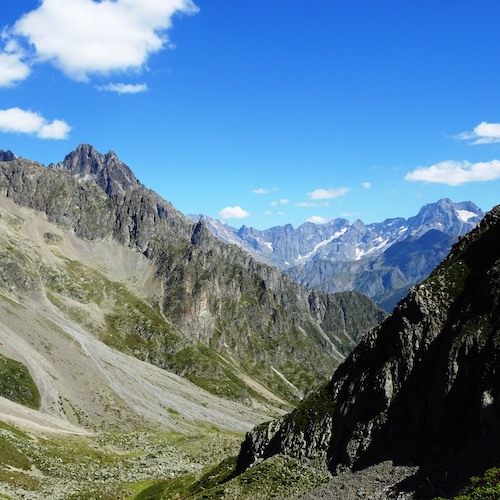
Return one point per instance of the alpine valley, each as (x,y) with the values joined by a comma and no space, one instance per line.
(381,260)
(121,315)
(137,348)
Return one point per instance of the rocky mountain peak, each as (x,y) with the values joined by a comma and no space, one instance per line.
(457,218)
(6,155)
(107,171)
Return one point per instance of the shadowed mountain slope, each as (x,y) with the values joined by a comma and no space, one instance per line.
(423,385)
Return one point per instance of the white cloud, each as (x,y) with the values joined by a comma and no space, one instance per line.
(58,129)
(268,212)
(234,213)
(124,88)
(367,185)
(484,133)
(455,173)
(317,219)
(263,190)
(82,37)
(16,120)
(12,69)
(328,194)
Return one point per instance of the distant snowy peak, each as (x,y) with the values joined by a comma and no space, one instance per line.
(342,241)
(454,219)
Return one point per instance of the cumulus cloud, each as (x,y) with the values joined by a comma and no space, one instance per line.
(57,129)
(263,190)
(83,37)
(12,68)
(234,213)
(16,120)
(455,173)
(367,185)
(328,194)
(317,219)
(124,88)
(484,133)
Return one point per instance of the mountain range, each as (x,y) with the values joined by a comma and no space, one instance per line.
(136,347)
(381,260)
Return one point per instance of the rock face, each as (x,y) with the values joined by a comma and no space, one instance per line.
(131,216)
(107,171)
(230,313)
(422,385)
(381,260)
(6,155)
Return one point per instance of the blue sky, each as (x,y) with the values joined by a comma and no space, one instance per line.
(264,112)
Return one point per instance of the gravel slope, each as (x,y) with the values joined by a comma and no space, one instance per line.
(87,384)
(84,384)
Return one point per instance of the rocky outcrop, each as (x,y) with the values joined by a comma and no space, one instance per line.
(6,155)
(422,385)
(107,171)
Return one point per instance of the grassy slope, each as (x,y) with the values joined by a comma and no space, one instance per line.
(17,384)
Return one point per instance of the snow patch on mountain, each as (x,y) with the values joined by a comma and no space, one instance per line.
(360,253)
(465,215)
(334,236)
